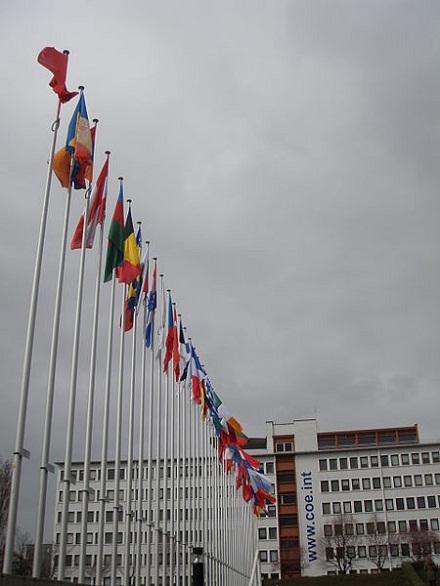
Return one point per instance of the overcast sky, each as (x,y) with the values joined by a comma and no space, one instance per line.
(283,157)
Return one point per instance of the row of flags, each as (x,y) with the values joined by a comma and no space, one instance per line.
(73,165)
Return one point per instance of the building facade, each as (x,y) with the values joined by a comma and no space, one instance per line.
(354,501)
(358,501)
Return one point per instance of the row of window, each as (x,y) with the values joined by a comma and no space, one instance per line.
(381,527)
(383,460)
(92,538)
(269,556)
(376,482)
(267,533)
(95,473)
(381,551)
(184,492)
(369,505)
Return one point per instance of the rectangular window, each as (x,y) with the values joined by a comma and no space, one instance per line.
(368,506)
(110,474)
(326,509)
(387,482)
(372,550)
(364,461)
(374,461)
(328,532)
(392,527)
(355,484)
(360,529)
(357,505)
(362,551)
(273,533)
(437,478)
(378,505)
(415,458)
(333,463)
(389,504)
(400,504)
(435,457)
(410,503)
(335,485)
(424,525)
(325,486)
(263,556)
(343,463)
(366,484)
(403,528)
(336,508)
(428,480)
(405,459)
(434,524)
(354,464)
(418,480)
(269,468)
(370,529)
(397,481)
(394,460)
(425,458)
(262,533)
(407,481)
(345,484)
(421,502)
(273,555)
(431,502)
(323,465)
(376,482)
(384,460)
(347,506)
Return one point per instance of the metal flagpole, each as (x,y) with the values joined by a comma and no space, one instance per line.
(178,504)
(141,450)
(116,504)
(150,448)
(20,451)
(128,496)
(90,406)
(105,424)
(174,466)
(157,523)
(73,380)
(165,473)
(185,507)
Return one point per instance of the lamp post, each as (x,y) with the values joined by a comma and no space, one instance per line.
(197,563)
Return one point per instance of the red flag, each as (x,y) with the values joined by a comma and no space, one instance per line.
(170,335)
(56,62)
(176,355)
(96,212)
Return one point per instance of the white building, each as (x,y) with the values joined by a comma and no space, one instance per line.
(373,493)
(366,498)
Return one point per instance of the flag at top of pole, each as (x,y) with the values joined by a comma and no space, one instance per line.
(131,267)
(116,236)
(56,62)
(79,145)
(96,212)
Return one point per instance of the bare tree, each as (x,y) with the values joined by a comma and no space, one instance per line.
(338,542)
(22,556)
(5,495)
(380,541)
(417,543)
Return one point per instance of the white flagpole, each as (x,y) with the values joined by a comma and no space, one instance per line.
(157,523)
(105,425)
(73,380)
(116,504)
(90,402)
(150,448)
(20,451)
(140,483)
(173,467)
(128,496)
(178,482)
(185,488)
(165,468)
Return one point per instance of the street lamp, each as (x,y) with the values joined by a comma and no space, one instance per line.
(197,563)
